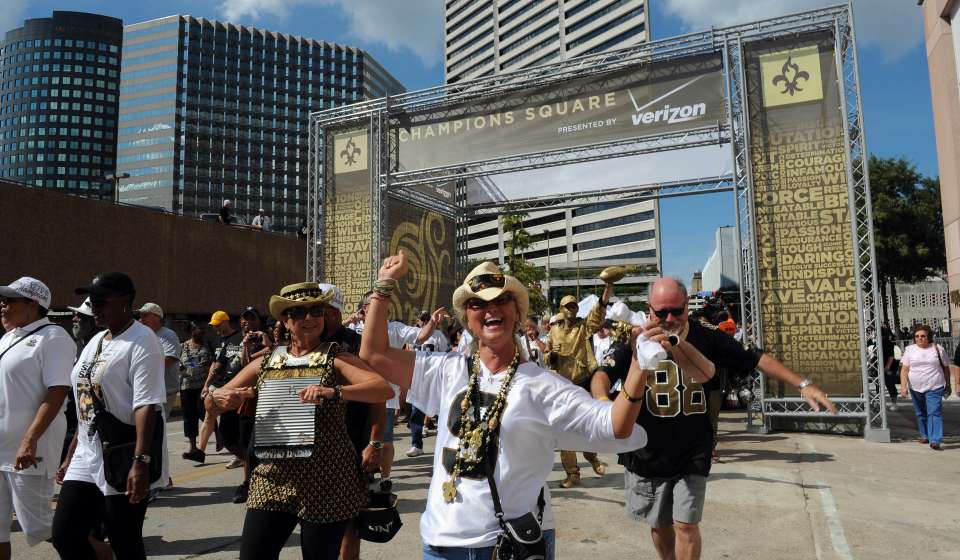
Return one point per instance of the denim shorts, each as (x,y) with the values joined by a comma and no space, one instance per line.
(388,430)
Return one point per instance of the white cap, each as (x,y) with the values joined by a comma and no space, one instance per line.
(262,210)
(30,288)
(151,308)
(84,309)
(227,201)
(337,301)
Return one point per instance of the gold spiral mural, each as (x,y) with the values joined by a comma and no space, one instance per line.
(429,240)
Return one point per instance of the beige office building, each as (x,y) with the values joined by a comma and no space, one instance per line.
(943,57)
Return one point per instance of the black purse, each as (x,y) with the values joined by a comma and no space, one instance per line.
(119,441)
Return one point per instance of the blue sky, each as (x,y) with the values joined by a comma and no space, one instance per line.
(406,37)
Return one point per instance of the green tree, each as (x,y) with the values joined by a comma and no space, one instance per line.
(516,240)
(907,225)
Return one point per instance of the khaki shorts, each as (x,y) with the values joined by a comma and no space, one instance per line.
(659,502)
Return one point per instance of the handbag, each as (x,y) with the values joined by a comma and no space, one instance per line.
(946,374)
(119,441)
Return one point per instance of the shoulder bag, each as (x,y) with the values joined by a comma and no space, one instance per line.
(15,342)
(946,373)
(119,441)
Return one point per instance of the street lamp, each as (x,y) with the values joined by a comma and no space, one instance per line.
(114,179)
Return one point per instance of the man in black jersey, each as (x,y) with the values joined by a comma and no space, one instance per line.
(666,480)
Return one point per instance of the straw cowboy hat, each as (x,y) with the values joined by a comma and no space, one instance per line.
(295,295)
(487,282)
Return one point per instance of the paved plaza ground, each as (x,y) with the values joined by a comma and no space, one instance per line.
(778,496)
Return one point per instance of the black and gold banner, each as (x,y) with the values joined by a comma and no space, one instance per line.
(430,241)
(808,291)
(347,248)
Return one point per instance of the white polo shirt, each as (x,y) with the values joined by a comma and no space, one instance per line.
(36,363)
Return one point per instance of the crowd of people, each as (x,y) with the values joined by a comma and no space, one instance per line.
(501,391)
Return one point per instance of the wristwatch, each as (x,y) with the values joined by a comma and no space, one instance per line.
(376,444)
(805,383)
(142,458)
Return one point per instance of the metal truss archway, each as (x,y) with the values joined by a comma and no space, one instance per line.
(382,117)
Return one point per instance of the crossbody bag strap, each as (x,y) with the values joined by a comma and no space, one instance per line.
(17,341)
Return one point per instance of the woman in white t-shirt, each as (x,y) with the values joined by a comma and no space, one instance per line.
(923,369)
(122,368)
(525,412)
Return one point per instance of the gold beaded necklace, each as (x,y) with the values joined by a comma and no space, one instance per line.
(473,440)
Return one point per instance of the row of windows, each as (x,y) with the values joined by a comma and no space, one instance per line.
(72,158)
(545,44)
(143,185)
(543,59)
(504,21)
(144,142)
(35,106)
(611,222)
(56,80)
(144,31)
(471,42)
(147,99)
(145,128)
(520,27)
(549,26)
(573,28)
(137,115)
(468,31)
(145,157)
(146,86)
(68,184)
(163,41)
(485,49)
(55,118)
(615,240)
(461,9)
(54,145)
(56,69)
(460,23)
(264,41)
(56,171)
(54,131)
(59,55)
(162,55)
(580,7)
(614,41)
(38,43)
(480,64)
(34,93)
(619,20)
(151,170)
(133,75)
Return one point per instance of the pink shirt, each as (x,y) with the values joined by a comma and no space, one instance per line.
(925,373)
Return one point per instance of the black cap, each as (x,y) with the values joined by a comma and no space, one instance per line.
(108,283)
(251,311)
(424,316)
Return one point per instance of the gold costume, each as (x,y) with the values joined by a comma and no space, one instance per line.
(570,344)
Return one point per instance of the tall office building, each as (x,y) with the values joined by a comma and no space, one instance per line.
(484,37)
(487,37)
(212,111)
(59,81)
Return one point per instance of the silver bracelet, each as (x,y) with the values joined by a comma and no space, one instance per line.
(804,384)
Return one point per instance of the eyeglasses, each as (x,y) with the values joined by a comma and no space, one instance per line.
(484,281)
(298,313)
(919,336)
(477,304)
(666,311)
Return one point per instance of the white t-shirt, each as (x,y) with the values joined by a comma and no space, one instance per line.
(40,361)
(436,342)
(262,222)
(399,335)
(925,373)
(127,375)
(600,346)
(170,344)
(544,412)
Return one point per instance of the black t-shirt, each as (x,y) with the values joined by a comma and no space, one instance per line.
(358,413)
(616,364)
(225,215)
(674,412)
(230,357)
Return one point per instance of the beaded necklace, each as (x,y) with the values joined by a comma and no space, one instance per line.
(473,440)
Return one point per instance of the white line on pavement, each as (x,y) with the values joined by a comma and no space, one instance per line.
(833,522)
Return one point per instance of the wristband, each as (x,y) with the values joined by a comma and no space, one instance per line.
(337,392)
(142,458)
(376,444)
(623,391)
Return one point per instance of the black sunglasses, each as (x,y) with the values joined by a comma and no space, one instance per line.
(477,304)
(663,313)
(484,281)
(298,313)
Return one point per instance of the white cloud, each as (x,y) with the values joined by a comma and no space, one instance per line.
(893,26)
(414,25)
(11,16)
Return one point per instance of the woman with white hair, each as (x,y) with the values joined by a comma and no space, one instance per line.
(501,418)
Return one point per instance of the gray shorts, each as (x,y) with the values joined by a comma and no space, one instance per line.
(659,502)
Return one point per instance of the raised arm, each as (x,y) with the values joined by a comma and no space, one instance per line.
(394,365)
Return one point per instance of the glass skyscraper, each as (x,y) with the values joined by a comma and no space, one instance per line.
(59,81)
(212,111)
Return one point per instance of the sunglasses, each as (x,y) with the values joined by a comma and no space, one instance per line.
(484,281)
(298,313)
(477,304)
(919,336)
(666,311)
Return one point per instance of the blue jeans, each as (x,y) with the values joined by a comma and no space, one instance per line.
(455,553)
(415,423)
(927,407)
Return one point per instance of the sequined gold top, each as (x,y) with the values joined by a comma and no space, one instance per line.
(328,486)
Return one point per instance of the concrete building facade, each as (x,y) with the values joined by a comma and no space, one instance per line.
(943,59)
(212,111)
(721,271)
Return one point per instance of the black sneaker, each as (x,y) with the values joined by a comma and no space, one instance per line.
(195,455)
(386,486)
(240,496)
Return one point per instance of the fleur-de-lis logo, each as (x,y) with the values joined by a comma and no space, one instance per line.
(791,76)
(350,153)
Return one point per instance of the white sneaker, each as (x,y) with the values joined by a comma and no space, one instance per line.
(414,452)
(237,462)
